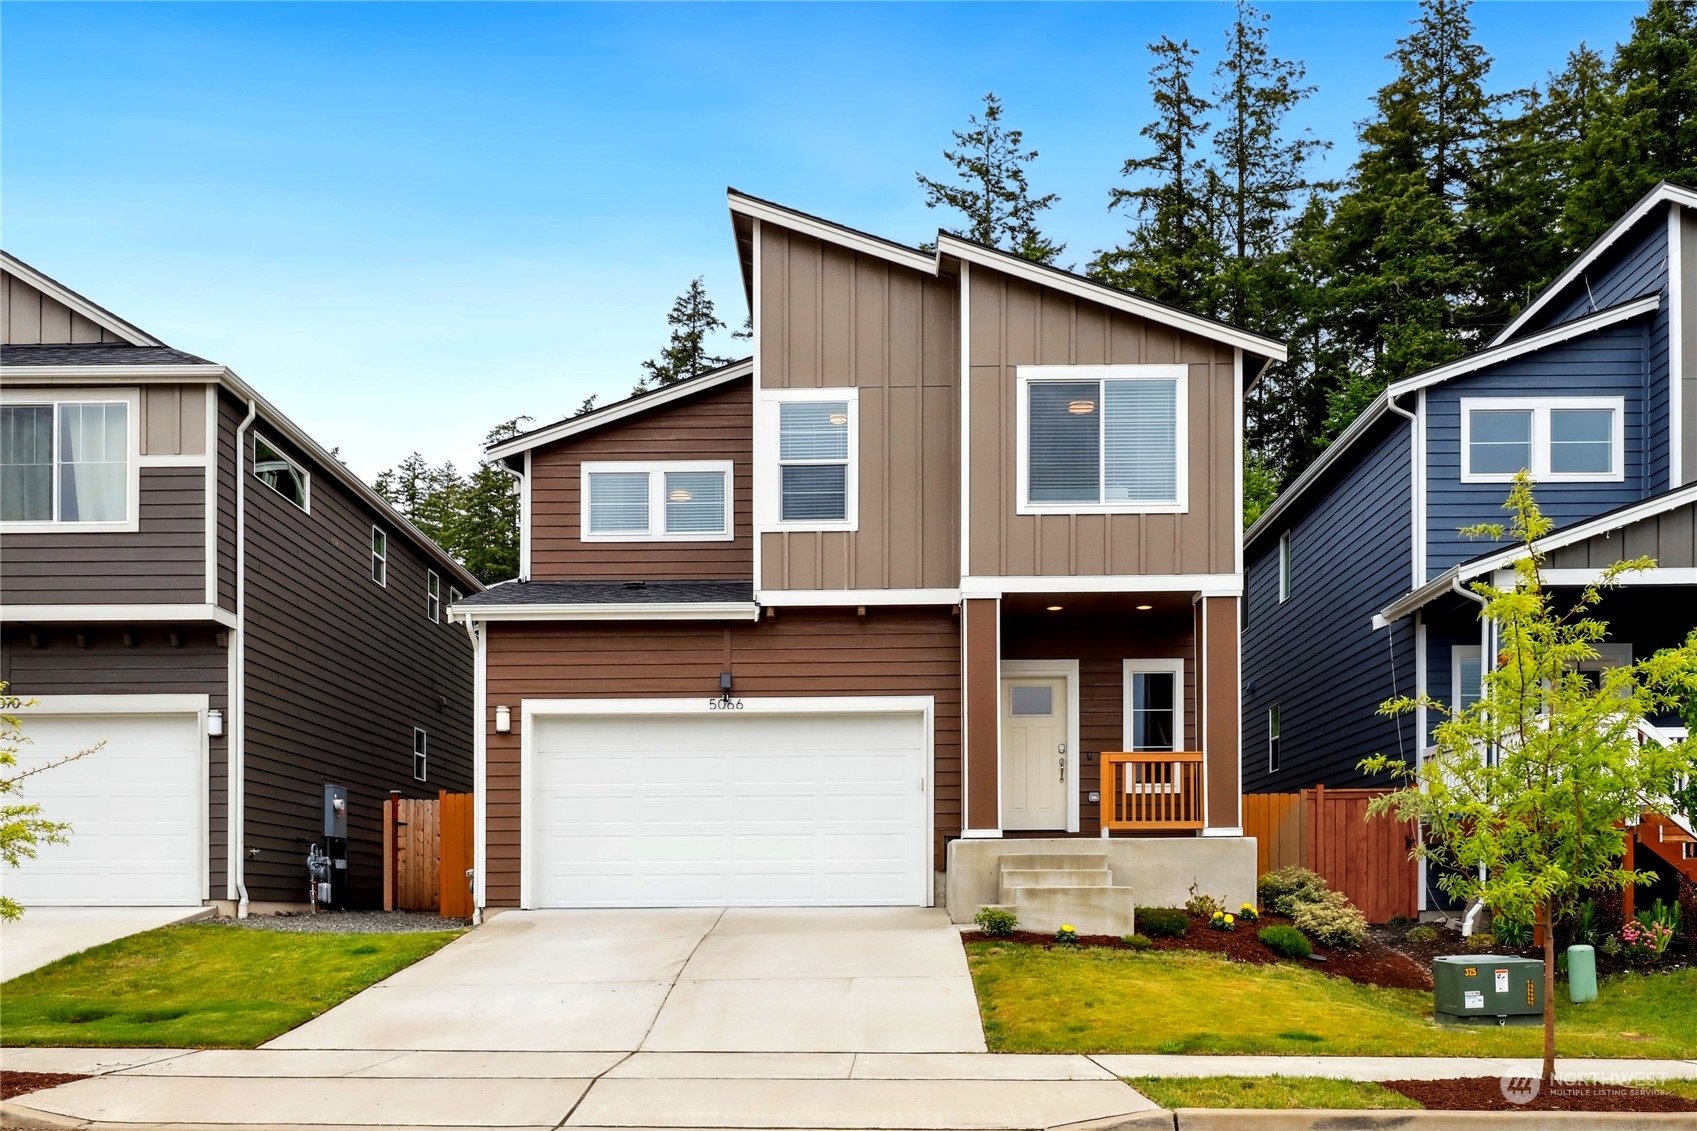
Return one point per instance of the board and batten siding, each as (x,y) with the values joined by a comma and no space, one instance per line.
(889,652)
(339,670)
(716,424)
(1014,323)
(1317,654)
(831,317)
(1670,538)
(1608,362)
(100,659)
(30,318)
(173,420)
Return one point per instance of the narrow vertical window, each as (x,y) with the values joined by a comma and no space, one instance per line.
(1273,738)
(1284,566)
(433,595)
(420,753)
(379,557)
(1467,675)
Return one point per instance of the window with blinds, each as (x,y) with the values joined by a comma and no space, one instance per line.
(673,502)
(813,461)
(1113,442)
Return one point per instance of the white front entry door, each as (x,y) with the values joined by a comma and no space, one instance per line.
(1034,753)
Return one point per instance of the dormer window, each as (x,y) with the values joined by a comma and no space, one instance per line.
(1102,439)
(657,502)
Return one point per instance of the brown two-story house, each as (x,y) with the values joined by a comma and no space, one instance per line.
(948,570)
(194,586)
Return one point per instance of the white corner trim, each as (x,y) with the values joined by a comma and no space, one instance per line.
(1676,349)
(62,294)
(656,471)
(760,210)
(638,611)
(214,444)
(757,325)
(1237,458)
(871,598)
(1054,669)
(526,538)
(965,418)
(480,767)
(15,613)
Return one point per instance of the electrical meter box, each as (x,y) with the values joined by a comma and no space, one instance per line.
(1487,989)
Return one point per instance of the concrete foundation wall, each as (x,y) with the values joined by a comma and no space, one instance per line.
(1159,871)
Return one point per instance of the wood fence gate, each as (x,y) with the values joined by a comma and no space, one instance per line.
(427,851)
(1327,831)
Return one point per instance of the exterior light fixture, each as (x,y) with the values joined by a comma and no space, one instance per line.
(1054,608)
(1144,608)
(215,722)
(838,418)
(680,496)
(503,719)
(1081,408)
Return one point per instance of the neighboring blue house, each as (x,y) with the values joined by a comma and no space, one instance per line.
(1355,576)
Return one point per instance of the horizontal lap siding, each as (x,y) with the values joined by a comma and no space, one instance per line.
(713,425)
(1014,323)
(1317,655)
(833,318)
(164,562)
(1610,362)
(231,412)
(799,652)
(339,671)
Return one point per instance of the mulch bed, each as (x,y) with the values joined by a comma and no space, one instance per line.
(18,1083)
(1449,941)
(1485,1093)
(1374,964)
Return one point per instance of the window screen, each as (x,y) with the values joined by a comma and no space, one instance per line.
(618,502)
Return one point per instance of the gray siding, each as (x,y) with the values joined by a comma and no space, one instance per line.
(339,670)
(164,562)
(1610,362)
(1317,655)
(230,415)
(149,664)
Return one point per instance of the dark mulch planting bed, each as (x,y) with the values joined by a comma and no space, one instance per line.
(1374,964)
(1485,1093)
(18,1083)
(1449,941)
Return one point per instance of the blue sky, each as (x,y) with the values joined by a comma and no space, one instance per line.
(404,223)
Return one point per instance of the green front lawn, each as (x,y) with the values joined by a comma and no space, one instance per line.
(1106,1001)
(1266,1092)
(199,986)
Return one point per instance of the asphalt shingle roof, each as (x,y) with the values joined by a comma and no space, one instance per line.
(97,353)
(519,593)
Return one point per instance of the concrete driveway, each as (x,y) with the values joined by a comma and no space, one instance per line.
(747,980)
(47,934)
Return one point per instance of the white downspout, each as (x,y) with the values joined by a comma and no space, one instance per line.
(238,663)
(1472,915)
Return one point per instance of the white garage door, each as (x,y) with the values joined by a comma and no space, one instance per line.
(728,809)
(136,809)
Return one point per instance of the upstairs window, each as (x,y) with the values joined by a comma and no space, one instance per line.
(379,557)
(432,596)
(280,473)
(70,462)
(1273,738)
(1284,567)
(454,597)
(813,461)
(1571,439)
(420,753)
(658,502)
(1104,438)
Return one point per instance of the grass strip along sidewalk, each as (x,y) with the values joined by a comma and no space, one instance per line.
(202,985)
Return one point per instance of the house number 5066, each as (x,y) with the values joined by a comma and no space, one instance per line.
(724,704)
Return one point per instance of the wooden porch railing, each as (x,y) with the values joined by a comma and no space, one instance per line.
(1151,790)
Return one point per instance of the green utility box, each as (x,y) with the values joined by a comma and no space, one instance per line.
(1487,989)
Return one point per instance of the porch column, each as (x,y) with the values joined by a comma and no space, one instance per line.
(1220,712)
(981,693)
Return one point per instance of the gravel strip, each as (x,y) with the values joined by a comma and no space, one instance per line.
(349,922)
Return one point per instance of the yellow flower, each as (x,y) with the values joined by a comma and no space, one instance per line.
(1231,919)
(1066,926)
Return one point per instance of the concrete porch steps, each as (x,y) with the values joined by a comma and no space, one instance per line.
(1049,890)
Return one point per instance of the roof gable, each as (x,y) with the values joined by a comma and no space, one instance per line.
(96,323)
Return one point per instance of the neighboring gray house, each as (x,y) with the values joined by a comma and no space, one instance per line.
(1354,577)
(189,579)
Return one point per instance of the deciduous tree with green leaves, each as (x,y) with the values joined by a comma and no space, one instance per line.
(1524,793)
(990,189)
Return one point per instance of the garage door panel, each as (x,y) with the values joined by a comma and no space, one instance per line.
(729,809)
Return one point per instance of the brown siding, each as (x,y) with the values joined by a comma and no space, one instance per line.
(980,646)
(799,652)
(230,415)
(1670,538)
(149,664)
(173,420)
(714,425)
(1217,629)
(1014,323)
(164,562)
(338,672)
(30,318)
(833,318)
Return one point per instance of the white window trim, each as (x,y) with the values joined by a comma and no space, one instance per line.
(1459,653)
(1173,666)
(306,476)
(132,482)
(1051,669)
(656,472)
(383,557)
(1284,567)
(1274,734)
(420,749)
(768,480)
(433,595)
(1540,409)
(1026,375)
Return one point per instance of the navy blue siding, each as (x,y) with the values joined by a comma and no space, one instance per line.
(1610,362)
(1317,655)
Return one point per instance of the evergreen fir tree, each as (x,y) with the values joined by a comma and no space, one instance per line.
(992,192)
(486,527)
(685,354)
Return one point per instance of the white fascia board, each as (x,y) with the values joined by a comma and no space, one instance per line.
(831,598)
(831,233)
(1077,286)
(106,374)
(1662,193)
(115,614)
(1207,584)
(654,610)
(99,315)
(628,408)
(1656,575)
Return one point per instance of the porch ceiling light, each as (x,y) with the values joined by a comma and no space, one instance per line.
(838,418)
(1144,608)
(1081,407)
(1054,608)
(680,496)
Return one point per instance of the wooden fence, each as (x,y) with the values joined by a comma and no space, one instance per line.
(427,849)
(1327,831)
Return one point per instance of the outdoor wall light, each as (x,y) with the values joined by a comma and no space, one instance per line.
(1081,408)
(1095,798)
(215,722)
(503,720)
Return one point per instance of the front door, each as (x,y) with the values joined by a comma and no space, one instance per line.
(1034,753)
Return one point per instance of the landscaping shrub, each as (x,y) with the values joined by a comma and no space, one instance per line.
(1223,921)
(1162,922)
(1201,905)
(1515,936)
(1287,942)
(1331,919)
(997,922)
(1138,942)
(1423,934)
(1284,889)
(1067,936)
(1248,913)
